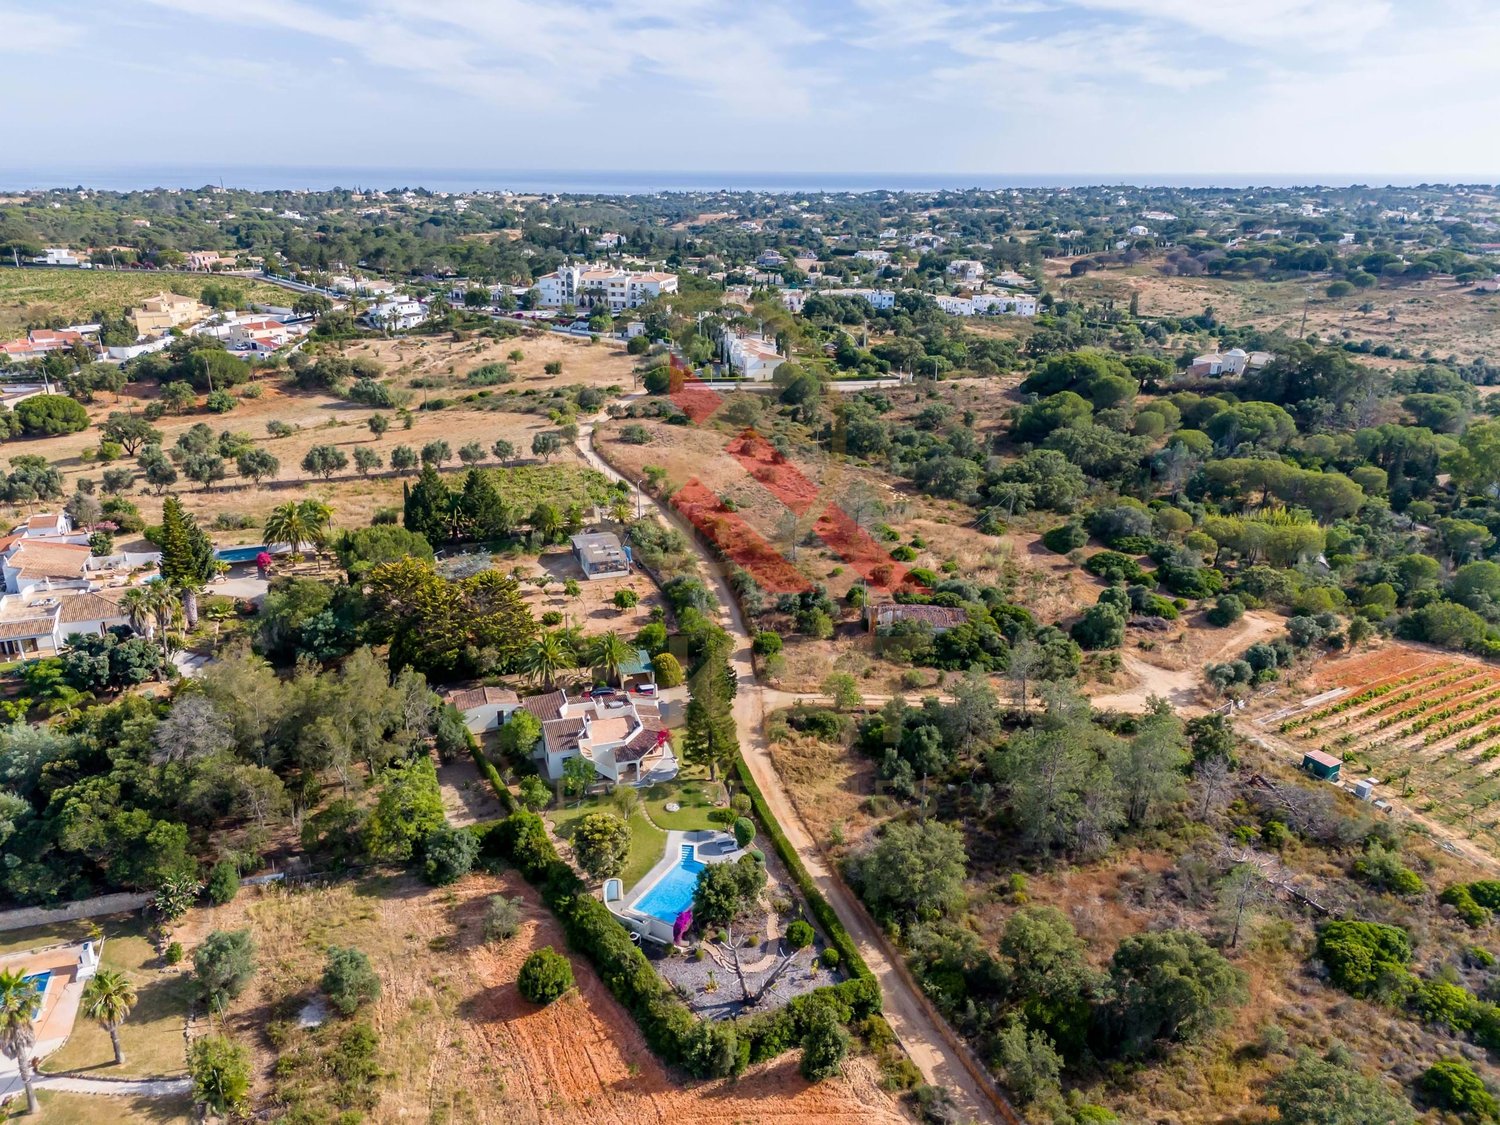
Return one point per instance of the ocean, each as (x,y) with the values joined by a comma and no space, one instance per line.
(125,178)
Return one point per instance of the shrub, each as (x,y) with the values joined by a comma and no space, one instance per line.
(1226,611)
(1360,954)
(545,976)
(799,935)
(1064,538)
(829,957)
(224,964)
(348,980)
(824,1046)
(174,954)
(744,831)
(448,854)
(766,644)
(668,670)
(223,882)
(1114,567)
(502,918)
(1451,1084)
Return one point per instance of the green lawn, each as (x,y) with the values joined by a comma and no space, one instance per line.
(696,796)
(152,1034)
(91,1109)
(647,842)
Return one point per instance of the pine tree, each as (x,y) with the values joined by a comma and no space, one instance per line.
(187,556)
(709,737)
(429,507)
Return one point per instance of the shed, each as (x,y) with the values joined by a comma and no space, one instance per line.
(1320,765)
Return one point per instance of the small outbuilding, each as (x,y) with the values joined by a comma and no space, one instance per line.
(1323,766)
(600,555)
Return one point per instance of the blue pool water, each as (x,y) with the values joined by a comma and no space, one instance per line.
(673,892)
(41,980)
(238,554)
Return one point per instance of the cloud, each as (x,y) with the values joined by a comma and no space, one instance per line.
(551,54)
(23,31)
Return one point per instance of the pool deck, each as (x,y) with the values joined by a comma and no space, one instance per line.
(59,1004)
(709,846)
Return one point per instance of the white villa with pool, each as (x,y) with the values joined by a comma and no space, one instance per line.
(621,733)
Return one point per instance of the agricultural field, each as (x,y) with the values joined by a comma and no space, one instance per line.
(1436,314)
(41,296)
(456,1040)
(1425,724)
(316,419)
(444,361)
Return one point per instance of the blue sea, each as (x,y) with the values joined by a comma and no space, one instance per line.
(586,182)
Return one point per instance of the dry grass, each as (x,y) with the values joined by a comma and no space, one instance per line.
(319,420)
(459,1043)
(35,295)
(91,1109)
(596,365)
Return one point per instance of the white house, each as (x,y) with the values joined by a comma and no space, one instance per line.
(879,257)
(59,256)
(485,708)
(585,286)
(999,304)
(601,555)
(1232,362)
(1139,231)
(794,299)
(397,315)
(770,259)
(966,268)
(622,735)
(752,357)
(363,286)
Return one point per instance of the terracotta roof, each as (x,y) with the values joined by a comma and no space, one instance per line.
(47,560)
(471,698)
(643,742)
(545,707)
(84,606)
(938,616)
(46,519)
(559,735)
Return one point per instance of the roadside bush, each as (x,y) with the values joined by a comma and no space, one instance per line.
(1226,611)
(668,670)
(545,976)
(744,831)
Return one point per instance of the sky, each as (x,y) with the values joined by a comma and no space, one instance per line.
(1120,88)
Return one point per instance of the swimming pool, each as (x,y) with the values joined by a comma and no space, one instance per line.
(40,980)
(673,892)
(238,554)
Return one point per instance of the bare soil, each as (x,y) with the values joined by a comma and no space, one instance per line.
(460,1043)
(603,364)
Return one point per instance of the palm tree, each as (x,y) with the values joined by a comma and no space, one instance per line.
(108,998)
(610,651)
(297,522)
(19,1000)
(545,657)
(285,525)
(154,607)
(619,511)
(189,589)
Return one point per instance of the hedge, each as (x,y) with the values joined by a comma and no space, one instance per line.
(487,768)
(822,909)
(703,1048)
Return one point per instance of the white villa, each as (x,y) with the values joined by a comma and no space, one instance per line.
(585,285)
(55,586)
(397,315)
(753,356)
(1233,362)
(621,734)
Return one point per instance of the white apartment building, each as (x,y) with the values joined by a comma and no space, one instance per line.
(59,256)
(584,286)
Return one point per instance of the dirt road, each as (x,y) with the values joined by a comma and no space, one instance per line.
(926,1037)
(1179,686)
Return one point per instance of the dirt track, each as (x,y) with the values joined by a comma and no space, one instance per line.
(933,1047)
(1179,687)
